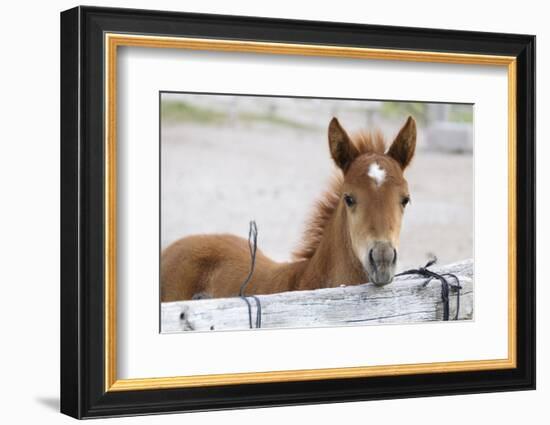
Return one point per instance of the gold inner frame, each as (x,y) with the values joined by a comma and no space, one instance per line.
(113,41)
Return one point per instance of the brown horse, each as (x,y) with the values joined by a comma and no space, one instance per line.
(352,238)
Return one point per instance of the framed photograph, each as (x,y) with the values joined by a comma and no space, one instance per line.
(261,212)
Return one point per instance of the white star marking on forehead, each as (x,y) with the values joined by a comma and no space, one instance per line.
(377,174)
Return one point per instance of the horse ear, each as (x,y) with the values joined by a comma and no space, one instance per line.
(342,149)
(402,148)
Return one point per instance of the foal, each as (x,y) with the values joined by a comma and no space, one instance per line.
(352,238)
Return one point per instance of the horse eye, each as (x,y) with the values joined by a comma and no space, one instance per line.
(349,200)
(405,201)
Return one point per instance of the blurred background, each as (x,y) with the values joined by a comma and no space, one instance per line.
(226,160)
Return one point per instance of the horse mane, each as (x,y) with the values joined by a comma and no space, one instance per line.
(325,206)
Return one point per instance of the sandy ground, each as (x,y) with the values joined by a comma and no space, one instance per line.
(215,179)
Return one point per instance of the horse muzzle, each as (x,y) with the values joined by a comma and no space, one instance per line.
(380,263)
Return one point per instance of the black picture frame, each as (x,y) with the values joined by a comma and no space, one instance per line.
(83,392)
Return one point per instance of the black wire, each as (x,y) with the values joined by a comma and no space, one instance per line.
(445,285)
(252,246)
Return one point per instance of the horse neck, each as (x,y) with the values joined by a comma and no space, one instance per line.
(334,262)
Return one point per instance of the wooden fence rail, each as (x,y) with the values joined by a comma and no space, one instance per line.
(405,300)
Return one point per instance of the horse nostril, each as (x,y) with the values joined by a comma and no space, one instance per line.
(394,256)
(371,260)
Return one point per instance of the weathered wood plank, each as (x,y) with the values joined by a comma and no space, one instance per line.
(405,300)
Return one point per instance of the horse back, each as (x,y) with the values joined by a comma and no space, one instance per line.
(210,265)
